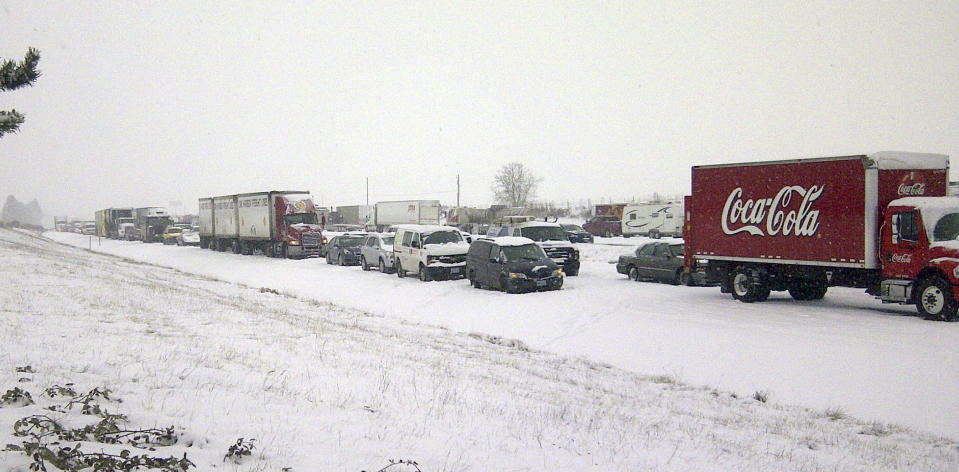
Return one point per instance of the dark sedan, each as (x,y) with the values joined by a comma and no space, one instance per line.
(345,249)
(660,261)
(577,234)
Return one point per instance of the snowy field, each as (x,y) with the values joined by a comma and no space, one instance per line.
(322,386)
(876,362)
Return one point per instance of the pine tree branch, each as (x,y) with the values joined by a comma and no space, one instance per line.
(14,75)
(9,122)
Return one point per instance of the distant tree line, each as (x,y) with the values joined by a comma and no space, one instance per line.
(17,214)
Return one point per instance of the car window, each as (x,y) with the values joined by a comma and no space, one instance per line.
(407,239)
(661,250)
(646,250)
(388,240)
(678,250)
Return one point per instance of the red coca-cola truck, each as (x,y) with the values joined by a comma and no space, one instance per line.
(880,222)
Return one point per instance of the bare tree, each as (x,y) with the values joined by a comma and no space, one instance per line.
(14,75)
(514,185)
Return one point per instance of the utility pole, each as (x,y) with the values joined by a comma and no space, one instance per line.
(457,190)
(367,191)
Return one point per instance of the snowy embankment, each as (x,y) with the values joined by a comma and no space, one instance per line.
(876,362)
(324,387)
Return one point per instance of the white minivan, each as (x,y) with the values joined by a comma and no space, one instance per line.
(433,252)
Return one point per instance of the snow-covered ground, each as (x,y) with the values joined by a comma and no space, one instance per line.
(325,387)
(877,362)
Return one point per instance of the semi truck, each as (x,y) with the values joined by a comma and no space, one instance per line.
(150,223)
(109,220)
(416,212)
(880,222)
(278,223)
(653,219)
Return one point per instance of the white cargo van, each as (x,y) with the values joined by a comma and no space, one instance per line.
(432,251)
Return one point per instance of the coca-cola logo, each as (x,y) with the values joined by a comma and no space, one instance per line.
(909,187)
(901,258)
(773,216)
(912,190)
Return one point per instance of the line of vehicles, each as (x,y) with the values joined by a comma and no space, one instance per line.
(881,222)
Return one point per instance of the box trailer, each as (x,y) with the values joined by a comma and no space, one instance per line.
(417,212)
(880,222)
(278,223)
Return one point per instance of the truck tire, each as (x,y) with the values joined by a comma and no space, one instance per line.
(633,273)
(808,291)
(935,301)
(749,284)
(425,274)
(399,269)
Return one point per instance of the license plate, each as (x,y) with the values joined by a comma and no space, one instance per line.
(455,270)
(541,283)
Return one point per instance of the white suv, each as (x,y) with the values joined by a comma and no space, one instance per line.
(549,236)
(433,252)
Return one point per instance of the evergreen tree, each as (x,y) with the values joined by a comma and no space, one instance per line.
(14,75)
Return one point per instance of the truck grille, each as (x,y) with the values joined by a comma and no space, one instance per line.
(311,239)
(554,253)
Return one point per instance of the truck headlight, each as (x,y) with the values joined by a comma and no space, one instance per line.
(294,242)
(558,272)
(516,275)
(955,273)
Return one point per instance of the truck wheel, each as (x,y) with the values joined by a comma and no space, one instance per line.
(399,269)
(633,273)
(283,252)
(749,285)
(424,274)
(808,291)
(363,264)
(935,301)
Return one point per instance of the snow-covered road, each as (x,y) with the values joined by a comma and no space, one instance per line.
(876,362)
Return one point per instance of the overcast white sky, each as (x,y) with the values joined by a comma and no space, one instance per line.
(148,103)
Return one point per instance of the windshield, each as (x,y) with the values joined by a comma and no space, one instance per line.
(573,228)
(301,218)
(526,252)
(388,240)
(544,233)
(443,237)
(351,241)
(947,228)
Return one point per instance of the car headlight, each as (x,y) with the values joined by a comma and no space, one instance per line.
(558,272)
(516,275)
(294,243)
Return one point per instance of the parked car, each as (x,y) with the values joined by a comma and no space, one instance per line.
(576,234)
(171,233)
(512,264)
(604,225)
(432,251)
(188,237)
(377,251)
(549,236)
(345,249)
(660,261)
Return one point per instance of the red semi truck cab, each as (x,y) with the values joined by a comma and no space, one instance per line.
(879,222)
(297,226)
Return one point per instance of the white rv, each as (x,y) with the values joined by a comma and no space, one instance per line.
(653,219)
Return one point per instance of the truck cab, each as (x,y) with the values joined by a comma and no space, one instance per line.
(920,255)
